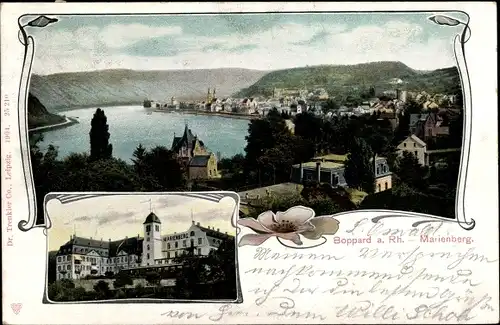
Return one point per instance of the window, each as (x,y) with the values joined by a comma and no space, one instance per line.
(148,247)
(68,267)
(210,172)
(184,244)
(200,241)
(157,228)
(175,253)
(416,153)
(59,258)
(378,170)
(147,256)
(148,228)
(168,254)
(404,145)
(168,246)
(386,186)
(165,239)
(192,233)
(147,239)
(176,244)
(414,145)
(199,251)
(59,267)
(126,259)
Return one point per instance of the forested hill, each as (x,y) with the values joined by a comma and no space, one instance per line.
(38,114)
(114,87)
(346,79)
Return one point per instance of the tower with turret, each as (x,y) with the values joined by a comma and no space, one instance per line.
(211,95)
(151,246)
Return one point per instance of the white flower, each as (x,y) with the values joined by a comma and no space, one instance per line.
(288,225)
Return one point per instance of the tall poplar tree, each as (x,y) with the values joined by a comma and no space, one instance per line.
(100,148)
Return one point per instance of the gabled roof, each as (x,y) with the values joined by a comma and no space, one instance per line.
(88,242)
(199,161)
(417,140)
(187,139)
(214,233)
(131,245)
(152,218)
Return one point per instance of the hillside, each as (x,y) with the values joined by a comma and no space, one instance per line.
(38,114)
(112,87)
(343,80)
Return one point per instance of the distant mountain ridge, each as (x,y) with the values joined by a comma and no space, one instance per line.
(344,79)
(121,86)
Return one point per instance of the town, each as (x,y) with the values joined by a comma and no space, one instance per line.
(421,126)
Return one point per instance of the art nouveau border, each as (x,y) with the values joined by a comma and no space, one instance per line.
(66,198)
(440,18)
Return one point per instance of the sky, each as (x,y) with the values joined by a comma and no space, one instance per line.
(115,217)
(253,41)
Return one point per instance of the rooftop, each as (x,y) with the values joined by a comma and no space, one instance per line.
(323,164)
(332,157)
(152,218)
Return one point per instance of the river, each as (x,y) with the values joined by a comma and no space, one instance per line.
(130,126)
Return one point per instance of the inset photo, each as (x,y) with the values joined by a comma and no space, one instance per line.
(173,247)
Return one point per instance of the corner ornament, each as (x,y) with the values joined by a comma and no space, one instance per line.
(291,225)
(28,43)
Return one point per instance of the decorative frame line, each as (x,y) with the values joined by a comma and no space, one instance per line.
(216,197)
(459,51)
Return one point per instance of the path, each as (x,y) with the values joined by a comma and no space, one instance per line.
(68,122)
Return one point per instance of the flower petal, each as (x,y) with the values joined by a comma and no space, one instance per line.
(297,215)
(253,239)
(308,226)
(292,236)
(253,224)
(267,219)
(323,226)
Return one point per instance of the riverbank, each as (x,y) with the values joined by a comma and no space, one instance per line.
(219,114)
(69,121)
(75,107)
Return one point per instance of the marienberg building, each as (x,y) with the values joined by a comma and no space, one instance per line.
(80,257)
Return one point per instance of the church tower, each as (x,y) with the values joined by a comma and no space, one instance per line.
(209,97)
(151,246)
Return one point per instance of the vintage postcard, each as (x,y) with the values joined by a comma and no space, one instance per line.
(249,163)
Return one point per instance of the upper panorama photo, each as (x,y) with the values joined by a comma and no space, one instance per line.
(334,111)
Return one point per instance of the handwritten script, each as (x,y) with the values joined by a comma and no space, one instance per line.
(407,281)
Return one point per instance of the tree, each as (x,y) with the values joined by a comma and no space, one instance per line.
(413,107)
(100,148)
(409,171)
(122,279)
(330,105)
(359,167)
(102,289)
(310,128)
(161,170)
(139,156)
(263,134)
